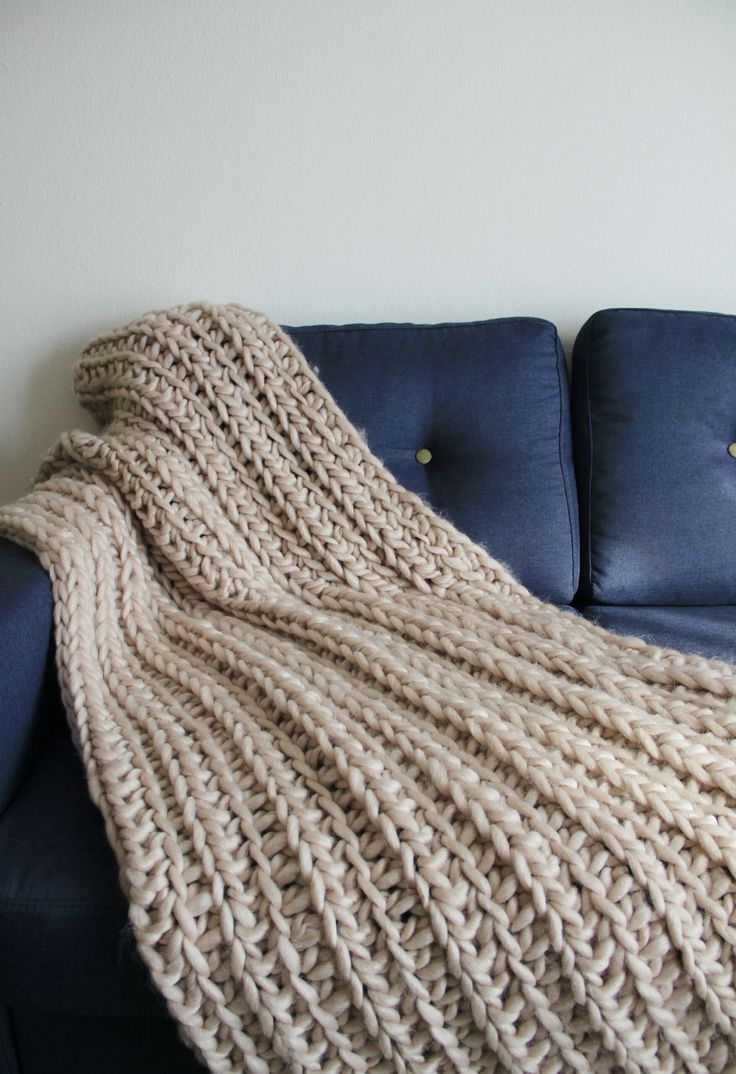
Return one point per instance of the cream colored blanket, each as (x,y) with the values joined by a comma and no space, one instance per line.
(375,807)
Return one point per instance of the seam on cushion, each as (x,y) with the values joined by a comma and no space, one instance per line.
(558,357)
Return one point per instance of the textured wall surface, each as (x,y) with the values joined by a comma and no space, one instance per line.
(340,160)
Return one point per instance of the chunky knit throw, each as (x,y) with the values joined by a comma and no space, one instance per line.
(375,806)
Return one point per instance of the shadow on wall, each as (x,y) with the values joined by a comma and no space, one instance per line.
(48,403)
(567,339)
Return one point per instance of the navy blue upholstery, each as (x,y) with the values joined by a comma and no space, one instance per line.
(99,1045)
(25,653)
(490,401)
(62,914)
(654,410)
(708,631)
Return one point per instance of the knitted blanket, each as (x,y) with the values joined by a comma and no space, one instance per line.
(375,806)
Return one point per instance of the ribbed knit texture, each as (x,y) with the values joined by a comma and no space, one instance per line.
(375,806)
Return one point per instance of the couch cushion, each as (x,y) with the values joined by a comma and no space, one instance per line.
(654,411)
(489,401)
(25,659)
(49,1042)
(65,945)
(708,631)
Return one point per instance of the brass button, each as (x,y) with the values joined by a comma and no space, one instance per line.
(732,450)
(424,455)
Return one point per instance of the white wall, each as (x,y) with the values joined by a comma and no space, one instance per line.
(337,160)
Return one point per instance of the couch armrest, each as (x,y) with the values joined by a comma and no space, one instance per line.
(26,660)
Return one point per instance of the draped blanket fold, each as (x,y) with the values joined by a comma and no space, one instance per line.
(375,806)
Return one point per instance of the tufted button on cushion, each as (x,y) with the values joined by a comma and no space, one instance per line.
(491,398)
(654,415)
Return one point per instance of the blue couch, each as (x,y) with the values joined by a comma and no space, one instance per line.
(618,499)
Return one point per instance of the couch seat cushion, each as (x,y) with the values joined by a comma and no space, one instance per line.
(65,945)
(488,401)
(710,631)
(47,1041)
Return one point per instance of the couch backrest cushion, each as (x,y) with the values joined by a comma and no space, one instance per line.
(489,401)
(654,412)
